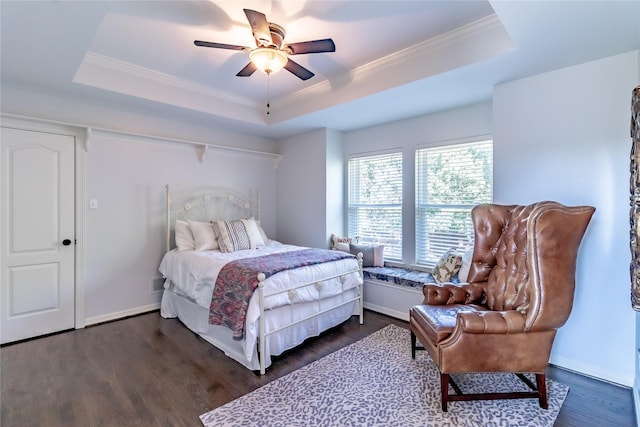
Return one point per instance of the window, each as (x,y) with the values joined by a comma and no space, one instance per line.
(375,202)
(450,181)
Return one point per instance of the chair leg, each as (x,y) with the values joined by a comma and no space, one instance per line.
(413,345)
(542,390)
(538,390)
(444,390)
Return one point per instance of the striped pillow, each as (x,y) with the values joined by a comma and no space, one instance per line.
(232,235)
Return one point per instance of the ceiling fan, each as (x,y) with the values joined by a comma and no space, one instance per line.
(270,54)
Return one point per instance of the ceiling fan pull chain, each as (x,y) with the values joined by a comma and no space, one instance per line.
(268,92)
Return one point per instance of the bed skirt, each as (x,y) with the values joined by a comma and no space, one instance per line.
(245,351)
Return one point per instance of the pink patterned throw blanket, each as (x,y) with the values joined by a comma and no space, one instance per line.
(238,280)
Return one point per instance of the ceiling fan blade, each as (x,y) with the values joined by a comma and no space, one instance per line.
(259,27)
(298,70)
(220,45)
(248,70)
(313,46)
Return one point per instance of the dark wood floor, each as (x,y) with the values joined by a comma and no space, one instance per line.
(149,371)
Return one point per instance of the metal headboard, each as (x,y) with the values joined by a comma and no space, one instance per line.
(210,204)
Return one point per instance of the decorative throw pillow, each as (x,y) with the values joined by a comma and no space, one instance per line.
(372,256)
(463,274)
(232,235)
(203,236)
(184,236)
(447,266)
(340,243)
(255,238)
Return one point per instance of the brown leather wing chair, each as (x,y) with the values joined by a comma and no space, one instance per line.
(520,291)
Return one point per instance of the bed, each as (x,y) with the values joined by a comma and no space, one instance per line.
(228,282)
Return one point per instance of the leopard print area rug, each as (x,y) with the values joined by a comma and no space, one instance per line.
(375,382)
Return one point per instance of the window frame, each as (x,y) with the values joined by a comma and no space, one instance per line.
(394,255)
(421,208)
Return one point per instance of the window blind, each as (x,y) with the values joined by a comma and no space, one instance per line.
(450,181)
(375,202)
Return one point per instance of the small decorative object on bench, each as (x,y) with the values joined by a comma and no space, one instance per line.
(340,243)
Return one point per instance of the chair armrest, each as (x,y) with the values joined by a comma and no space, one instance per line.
(451,293)
(491,322)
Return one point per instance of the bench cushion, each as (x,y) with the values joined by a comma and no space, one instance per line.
(401,276)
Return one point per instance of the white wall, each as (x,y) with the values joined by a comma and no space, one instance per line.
(406,136)
(335,170)
(311,188)
(564,136)
(302,190)
(124,237)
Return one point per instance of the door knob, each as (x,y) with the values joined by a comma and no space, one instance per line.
(66,242)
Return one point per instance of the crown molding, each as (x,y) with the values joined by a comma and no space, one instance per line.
(109,63)
(397,59)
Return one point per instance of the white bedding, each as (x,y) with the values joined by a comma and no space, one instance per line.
(193,274)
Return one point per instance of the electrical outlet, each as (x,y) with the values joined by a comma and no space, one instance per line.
(158,284)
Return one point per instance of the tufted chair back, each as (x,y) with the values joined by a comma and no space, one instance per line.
(519,292)
(527,256)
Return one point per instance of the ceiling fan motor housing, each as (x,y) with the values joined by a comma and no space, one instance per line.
(277,35)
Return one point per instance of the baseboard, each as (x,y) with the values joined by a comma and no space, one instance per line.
(636,400)
(121,314)
(592,371)
(387,311)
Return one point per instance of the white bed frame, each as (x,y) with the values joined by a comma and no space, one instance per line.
(221,203)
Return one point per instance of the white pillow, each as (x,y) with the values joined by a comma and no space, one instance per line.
(254,233)
(184,237)
(463,274)
(265,239)
(203,235)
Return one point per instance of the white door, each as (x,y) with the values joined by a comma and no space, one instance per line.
(37,225)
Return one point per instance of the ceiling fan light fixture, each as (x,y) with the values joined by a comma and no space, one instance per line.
(271,54)
(268,60)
